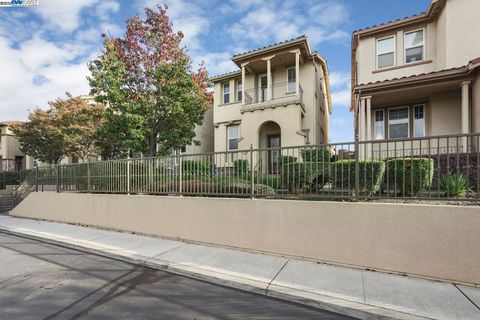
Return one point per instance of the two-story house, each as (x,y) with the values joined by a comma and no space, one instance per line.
(419,76)
(279,97)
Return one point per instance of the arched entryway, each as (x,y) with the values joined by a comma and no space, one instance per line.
(270,140)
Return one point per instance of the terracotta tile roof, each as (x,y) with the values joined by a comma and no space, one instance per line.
(444,71)
(10,123)
(389,22)
(226,74)
(271,45)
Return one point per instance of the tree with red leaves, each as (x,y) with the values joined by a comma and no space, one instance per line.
(154,99)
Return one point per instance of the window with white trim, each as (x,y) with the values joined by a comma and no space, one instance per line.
(233,134)
(414,46)
(291,79)
(239,90)
(419,121)
(398,125)
(379,125)
(226,92)
(386,52)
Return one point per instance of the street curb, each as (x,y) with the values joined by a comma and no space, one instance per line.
(340,306)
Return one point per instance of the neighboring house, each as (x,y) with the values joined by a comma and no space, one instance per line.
(279,97)
(11,157)
(419,76)
(203,134)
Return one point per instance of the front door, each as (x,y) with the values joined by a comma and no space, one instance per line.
(273,144)
(262,88)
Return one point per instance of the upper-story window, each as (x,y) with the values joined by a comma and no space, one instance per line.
(386,52)
(226,92)
(414,46)
(291,79)
(239,90)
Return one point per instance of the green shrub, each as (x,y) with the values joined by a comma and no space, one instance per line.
(286,160)
(233,186)
(370,175)
(409,176)
(316,155)
(305,176)
(195,167)
(273,181)
(454,185)
(241,167)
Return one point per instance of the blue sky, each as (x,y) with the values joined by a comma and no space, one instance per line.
(44,50)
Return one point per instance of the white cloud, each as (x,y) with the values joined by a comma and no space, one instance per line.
(216,63)
(341,98)
(339,79)
(106,8)
(63,14)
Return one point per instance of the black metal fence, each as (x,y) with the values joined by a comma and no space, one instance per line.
(12,177)
(440,168)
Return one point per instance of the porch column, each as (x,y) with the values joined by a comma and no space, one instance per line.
(243,82)
(297,72)
(269,80)
(369,118)
(361,120)
(465,112)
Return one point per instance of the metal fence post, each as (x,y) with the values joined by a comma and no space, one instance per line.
(58,178)
(357,170)
(180,173)
(36,179)
(128,173)
(252,174)
(88,176)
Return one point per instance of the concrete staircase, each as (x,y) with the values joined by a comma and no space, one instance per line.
(6,203)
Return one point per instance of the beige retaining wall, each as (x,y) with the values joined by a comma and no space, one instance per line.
(440,242)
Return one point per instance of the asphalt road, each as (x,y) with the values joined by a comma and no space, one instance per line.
(43,281)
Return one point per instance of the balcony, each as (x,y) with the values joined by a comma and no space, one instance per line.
(279,94)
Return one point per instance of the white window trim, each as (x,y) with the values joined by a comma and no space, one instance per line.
(424,119)
(229,92)
(288,82)
(228,137)
(398,121)
(375,123)
(424,53)
(394,51)
(238,91)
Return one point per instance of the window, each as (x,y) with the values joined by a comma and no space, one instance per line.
(291,82)
(379,129)
(183,149)
(226,92)
(386,52)
(233,133)
(419,121)
(398,123)
(414,46)
(239,90)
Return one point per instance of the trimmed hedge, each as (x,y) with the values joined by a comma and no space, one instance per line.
(301,177)
(464,163)
(316,155)
(195,167)
(370,174)
(286,160)
(241,167)
(409,176)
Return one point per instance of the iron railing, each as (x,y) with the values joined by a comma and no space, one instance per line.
(278,91)
(434,168)
(12,177)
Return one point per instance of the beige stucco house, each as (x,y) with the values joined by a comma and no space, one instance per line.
(11,157)
(419,76)
(278,97)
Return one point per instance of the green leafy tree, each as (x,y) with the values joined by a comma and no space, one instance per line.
(154,98)
(69,127)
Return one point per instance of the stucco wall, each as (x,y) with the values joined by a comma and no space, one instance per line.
(434,241)
(446,113)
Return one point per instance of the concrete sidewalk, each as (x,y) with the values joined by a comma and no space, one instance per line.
(354,292)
